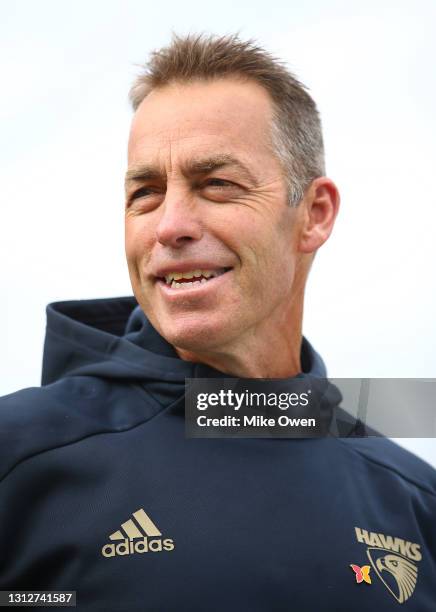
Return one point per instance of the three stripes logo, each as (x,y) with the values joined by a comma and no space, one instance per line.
(137,535)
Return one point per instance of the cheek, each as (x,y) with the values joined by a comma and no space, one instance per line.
(276,260)
(137,241)
(136,249)
(267,247)
(128,241)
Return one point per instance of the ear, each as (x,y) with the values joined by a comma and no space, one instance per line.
(320,207)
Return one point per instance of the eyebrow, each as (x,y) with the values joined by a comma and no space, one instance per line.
(195,166)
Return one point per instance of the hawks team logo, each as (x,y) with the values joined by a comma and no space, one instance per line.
(393,560)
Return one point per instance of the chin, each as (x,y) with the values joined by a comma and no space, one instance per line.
(194,335)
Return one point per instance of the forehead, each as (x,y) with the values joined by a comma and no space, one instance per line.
(222,116)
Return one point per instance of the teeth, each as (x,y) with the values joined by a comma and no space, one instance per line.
(175,276)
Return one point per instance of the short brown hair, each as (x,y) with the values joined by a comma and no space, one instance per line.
(296,131)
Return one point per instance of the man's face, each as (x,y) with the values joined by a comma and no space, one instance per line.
(206,199)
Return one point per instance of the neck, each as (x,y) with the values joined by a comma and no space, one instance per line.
(273,351)
(281,361)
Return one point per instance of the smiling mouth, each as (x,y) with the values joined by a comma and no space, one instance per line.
(191,278)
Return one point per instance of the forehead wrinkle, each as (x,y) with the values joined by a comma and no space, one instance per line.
(142,172)
(209,163)
(192,166)
(151,170)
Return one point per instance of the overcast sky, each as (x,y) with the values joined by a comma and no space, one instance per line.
(65,72)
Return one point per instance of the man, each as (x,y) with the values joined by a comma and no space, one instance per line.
(226,205)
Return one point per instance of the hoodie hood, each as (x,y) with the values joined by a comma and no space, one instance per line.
(112,338)
(108,338)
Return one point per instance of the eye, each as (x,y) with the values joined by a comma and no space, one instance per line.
(220,190)
(140,193)
(144,198)
(217,182)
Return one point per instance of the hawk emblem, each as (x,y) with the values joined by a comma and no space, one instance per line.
(397,573)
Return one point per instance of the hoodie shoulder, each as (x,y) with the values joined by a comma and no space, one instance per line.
(39,419)
(391,457)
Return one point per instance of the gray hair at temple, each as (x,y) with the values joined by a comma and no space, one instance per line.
(296,135)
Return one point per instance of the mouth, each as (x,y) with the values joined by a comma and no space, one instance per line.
(191,279)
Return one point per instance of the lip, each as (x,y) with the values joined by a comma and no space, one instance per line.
(196,290)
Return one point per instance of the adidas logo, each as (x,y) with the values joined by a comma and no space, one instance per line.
(137,535)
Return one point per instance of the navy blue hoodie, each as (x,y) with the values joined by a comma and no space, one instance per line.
(102,493)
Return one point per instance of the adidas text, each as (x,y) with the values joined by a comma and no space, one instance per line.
(143,545)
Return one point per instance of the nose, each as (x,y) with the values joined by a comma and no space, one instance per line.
(180,222)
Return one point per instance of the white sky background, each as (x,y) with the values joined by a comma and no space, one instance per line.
(66,68)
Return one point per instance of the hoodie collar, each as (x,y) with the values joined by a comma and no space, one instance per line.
(113,338)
